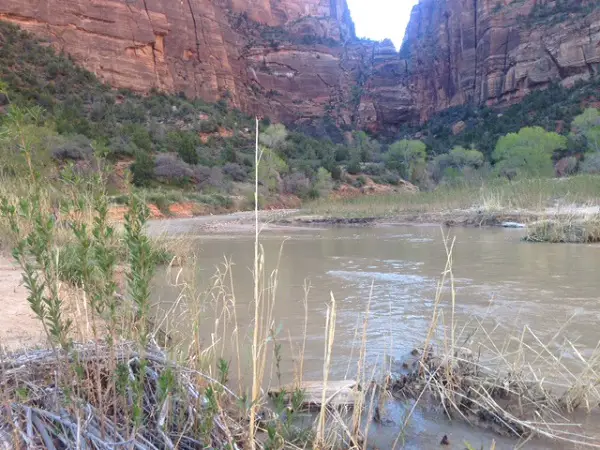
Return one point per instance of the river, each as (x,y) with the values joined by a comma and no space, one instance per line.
(499,281)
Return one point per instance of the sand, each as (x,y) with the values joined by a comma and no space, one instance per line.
(19,328)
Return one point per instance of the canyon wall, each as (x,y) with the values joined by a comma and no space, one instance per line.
(299,60)
(497,51)
(271,57)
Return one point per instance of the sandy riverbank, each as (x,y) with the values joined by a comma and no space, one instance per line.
(19,328)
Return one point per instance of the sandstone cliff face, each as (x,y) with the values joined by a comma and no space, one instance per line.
(496,51)
(265,54)
(299,60)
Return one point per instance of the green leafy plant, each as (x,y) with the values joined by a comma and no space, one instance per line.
(407,157)
(37,254)
(142,264)
(528,152)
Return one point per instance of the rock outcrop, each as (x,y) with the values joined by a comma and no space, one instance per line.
(299,60)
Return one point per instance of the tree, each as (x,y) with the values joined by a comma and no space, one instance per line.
(185,144)
(274,136)
(367,148)
(354,167)
(587,125)
(455,163)
(528,152)
(139,136)
(407,158)
(324,182)
(270,168)
(142,170)
(461,158)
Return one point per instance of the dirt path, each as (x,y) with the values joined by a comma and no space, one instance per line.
(19,327)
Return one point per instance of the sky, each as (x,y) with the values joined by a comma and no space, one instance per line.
(380,19)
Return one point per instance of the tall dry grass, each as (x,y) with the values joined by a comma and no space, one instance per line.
(493,196)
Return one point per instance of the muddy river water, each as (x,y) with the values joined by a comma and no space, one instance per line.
(500,281)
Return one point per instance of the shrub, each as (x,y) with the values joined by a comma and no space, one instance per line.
(120,146)
(336,173)
(295,184)
(324,182)
(142,170)
(374,169)
(455,164)
(216,179)
(169,168)
(354,166)
(591,164)
(407,158)
(185,144)
(236,172)
(270,169)
(566,166)
(201,174)
(208,126)
(208,177)
(367,148)
(76,148)
(391,178)
(274,136)
(359,182)
(140,136)
(342,153)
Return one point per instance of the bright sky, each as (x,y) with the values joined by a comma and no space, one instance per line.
(380,19)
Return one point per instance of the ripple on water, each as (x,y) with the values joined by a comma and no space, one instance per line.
(402,278)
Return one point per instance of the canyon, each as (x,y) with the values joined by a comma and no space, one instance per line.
(300,61)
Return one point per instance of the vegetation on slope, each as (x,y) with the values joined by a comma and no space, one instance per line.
(178,149)
(552,109)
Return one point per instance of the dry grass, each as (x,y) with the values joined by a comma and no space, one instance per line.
(492,196)
(567,228)
(44,413)
(521,387)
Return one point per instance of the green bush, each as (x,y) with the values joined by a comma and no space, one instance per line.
(142,170)
(407,158)
(528,152)
(185,143)
(353,166)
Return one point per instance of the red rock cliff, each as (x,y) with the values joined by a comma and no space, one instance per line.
(265,53)
(496,51)
(297,60)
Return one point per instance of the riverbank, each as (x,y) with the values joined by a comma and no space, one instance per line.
(298,219)
(486,203)
(19,327)
(490,204)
